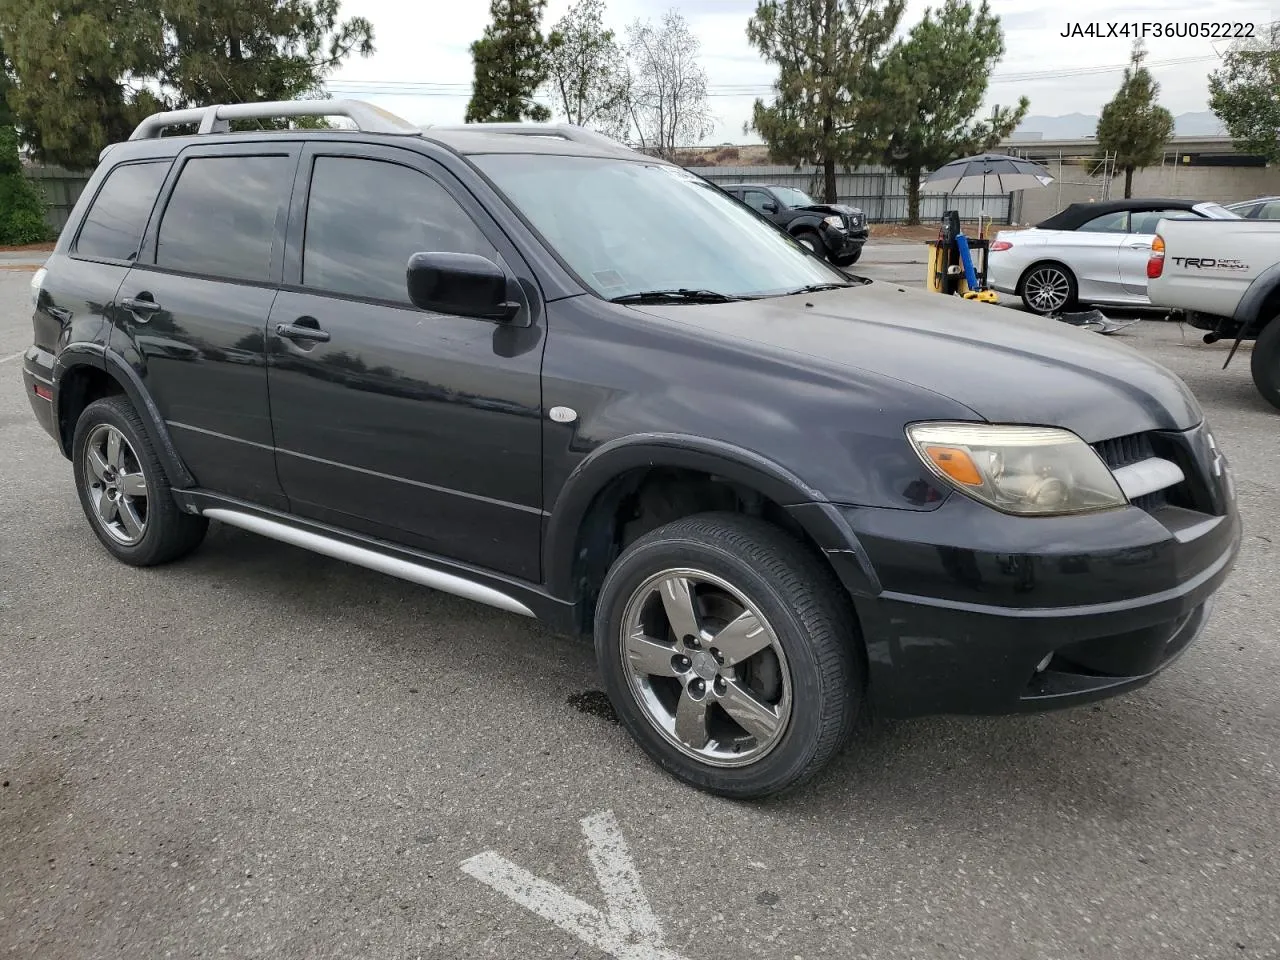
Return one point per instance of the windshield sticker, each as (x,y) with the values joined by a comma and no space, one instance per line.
(609,278)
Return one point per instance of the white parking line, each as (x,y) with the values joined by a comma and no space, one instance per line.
(627,930)
(12,356)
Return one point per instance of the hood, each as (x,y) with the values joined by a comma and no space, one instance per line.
(1005,366)
(830,208)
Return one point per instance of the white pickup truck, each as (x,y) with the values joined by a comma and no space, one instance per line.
(1224,276)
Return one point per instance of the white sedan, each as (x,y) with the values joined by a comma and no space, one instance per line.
(1088,254)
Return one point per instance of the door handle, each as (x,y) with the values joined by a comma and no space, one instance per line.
(302,331)
(140,307)
(1139,246)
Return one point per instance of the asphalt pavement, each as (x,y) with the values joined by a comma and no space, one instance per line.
(258,752)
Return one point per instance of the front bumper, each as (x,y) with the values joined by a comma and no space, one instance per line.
(969,602)
(840,242)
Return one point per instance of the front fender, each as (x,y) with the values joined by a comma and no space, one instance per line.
(819,518)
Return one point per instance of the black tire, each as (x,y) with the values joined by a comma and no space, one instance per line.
(1030,285)
(1265,363)
(165,533)
(812,241)
(806,612)
(848,260)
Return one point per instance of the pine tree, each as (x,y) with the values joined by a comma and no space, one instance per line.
(828,54)
(510,64)
(1133,126)
(934,84)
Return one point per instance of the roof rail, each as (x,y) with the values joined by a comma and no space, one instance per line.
(216,118)
(565,131)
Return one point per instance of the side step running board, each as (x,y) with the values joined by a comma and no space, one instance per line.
(370,559)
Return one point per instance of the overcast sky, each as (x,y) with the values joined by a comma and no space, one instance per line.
(426,45)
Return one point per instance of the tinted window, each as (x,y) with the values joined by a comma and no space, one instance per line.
(366,218)
(220,220)
(1269,211)
(756,200)
(1249,212)
(1117,222)
(113,228)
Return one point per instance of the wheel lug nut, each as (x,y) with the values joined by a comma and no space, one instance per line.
(719,657)
(691,641)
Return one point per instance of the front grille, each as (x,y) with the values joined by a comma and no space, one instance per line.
(1121,451)
(1190,494)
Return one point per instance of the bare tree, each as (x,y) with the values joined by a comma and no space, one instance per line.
(587,76)
(668,99)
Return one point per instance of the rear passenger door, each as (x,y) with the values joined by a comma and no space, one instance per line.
(193,311)
(418,428)
(77,302)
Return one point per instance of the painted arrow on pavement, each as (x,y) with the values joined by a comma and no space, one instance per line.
(627,928)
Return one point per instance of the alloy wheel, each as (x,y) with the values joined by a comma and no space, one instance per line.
(1048,289)
(706,668)
(117,487)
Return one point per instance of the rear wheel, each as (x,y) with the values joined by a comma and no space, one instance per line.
(123,488)
(1265,363)
(727,650)
(1048,288)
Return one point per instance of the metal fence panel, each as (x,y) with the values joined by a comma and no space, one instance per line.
(877,191)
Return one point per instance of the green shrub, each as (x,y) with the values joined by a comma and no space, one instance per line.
(21,204)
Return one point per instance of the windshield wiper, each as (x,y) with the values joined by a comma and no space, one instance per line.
(818,288)
(681,294)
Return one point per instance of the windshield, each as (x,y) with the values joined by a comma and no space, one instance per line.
(627,227)
(1216,211)
(793,197)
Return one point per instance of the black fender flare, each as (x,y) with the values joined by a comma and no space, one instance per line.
(820,519)
(115,366)
(809,222)
(1248,312)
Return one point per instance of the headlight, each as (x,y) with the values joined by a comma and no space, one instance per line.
(1021,470)
(834,221)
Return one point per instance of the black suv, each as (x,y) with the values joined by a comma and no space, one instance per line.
(559,377)
(832,230)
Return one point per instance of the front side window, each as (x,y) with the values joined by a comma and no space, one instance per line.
(113,227)
(756,199)
(220,220)
(1117,222)
(366,218)
(792,197)
(628,226)
(1146,220)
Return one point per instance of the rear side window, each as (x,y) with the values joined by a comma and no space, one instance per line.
(113,228)
(366,218)
(220,220)
(1117,222)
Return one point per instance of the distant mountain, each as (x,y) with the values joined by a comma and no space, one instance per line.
(1073,126)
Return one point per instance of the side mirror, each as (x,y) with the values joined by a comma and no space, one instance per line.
(769,207)
(461,284)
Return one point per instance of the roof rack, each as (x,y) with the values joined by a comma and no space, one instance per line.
(216,118)
(565,131)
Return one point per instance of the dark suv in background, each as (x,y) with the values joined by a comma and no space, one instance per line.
(568,380)
(831,230)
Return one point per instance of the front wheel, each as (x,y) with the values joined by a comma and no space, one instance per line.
(848,260)
(1048,288)
(728,651)
(810,241)
(1265,362)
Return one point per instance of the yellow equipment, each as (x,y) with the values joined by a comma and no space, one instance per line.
(957,265)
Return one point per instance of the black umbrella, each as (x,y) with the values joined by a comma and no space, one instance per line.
(1004,173)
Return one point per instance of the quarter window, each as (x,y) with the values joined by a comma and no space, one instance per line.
(366,218)
(221,218)
(113,227)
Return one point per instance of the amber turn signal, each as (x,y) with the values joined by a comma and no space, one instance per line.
(956,464)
